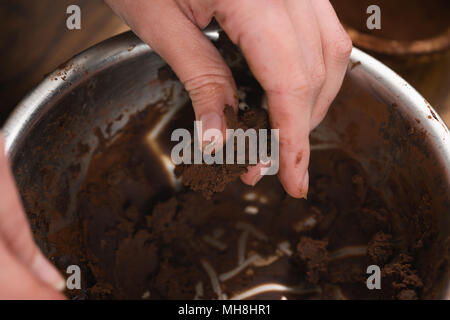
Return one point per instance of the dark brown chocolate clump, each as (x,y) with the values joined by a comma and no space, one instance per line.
(380,249)
(213,178)
(312,257)
(403,277)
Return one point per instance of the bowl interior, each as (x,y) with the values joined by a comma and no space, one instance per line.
(95,101)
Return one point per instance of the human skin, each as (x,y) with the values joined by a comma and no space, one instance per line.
(25,272)
(297,50)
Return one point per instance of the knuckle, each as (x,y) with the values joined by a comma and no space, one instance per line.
(304,89)
(341,47)
(298,88)
(207,86)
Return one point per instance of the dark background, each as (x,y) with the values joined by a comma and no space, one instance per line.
(34,40)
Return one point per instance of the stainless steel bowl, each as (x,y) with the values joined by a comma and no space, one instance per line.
(378,118)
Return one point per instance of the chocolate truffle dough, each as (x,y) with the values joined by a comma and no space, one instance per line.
(212,178)
(135,237)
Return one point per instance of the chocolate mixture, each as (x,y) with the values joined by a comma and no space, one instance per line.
(213,178)
(137,239)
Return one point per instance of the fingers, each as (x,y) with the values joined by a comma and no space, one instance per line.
(307,31)
(269,42)
(292,117)
(15,233)
(253,174)
(308,35)
(173,31)
(296,49)
(337,48)
(18,283)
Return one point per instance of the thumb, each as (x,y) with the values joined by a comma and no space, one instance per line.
(175,34)
(18,283)
(15,232)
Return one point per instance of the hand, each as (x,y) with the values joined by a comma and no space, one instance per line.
(25,272)
(297,50)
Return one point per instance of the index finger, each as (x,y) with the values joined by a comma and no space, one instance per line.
(263,31)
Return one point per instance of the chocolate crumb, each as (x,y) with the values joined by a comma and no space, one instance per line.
(312,257)
(210,179)
(380,248)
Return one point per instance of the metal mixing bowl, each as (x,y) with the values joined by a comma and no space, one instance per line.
(377,118)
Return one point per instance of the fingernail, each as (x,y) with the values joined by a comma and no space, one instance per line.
(45,271)
(305,185)
(264,168)
(210,121)
(255,180)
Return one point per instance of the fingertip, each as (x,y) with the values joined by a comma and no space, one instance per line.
(255,173)
(47,272)
(211,120)
(293,185)
(211,135)
(252,176)
(293,191)
(293,173)
(305,186)
(19,282)
(246,179)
